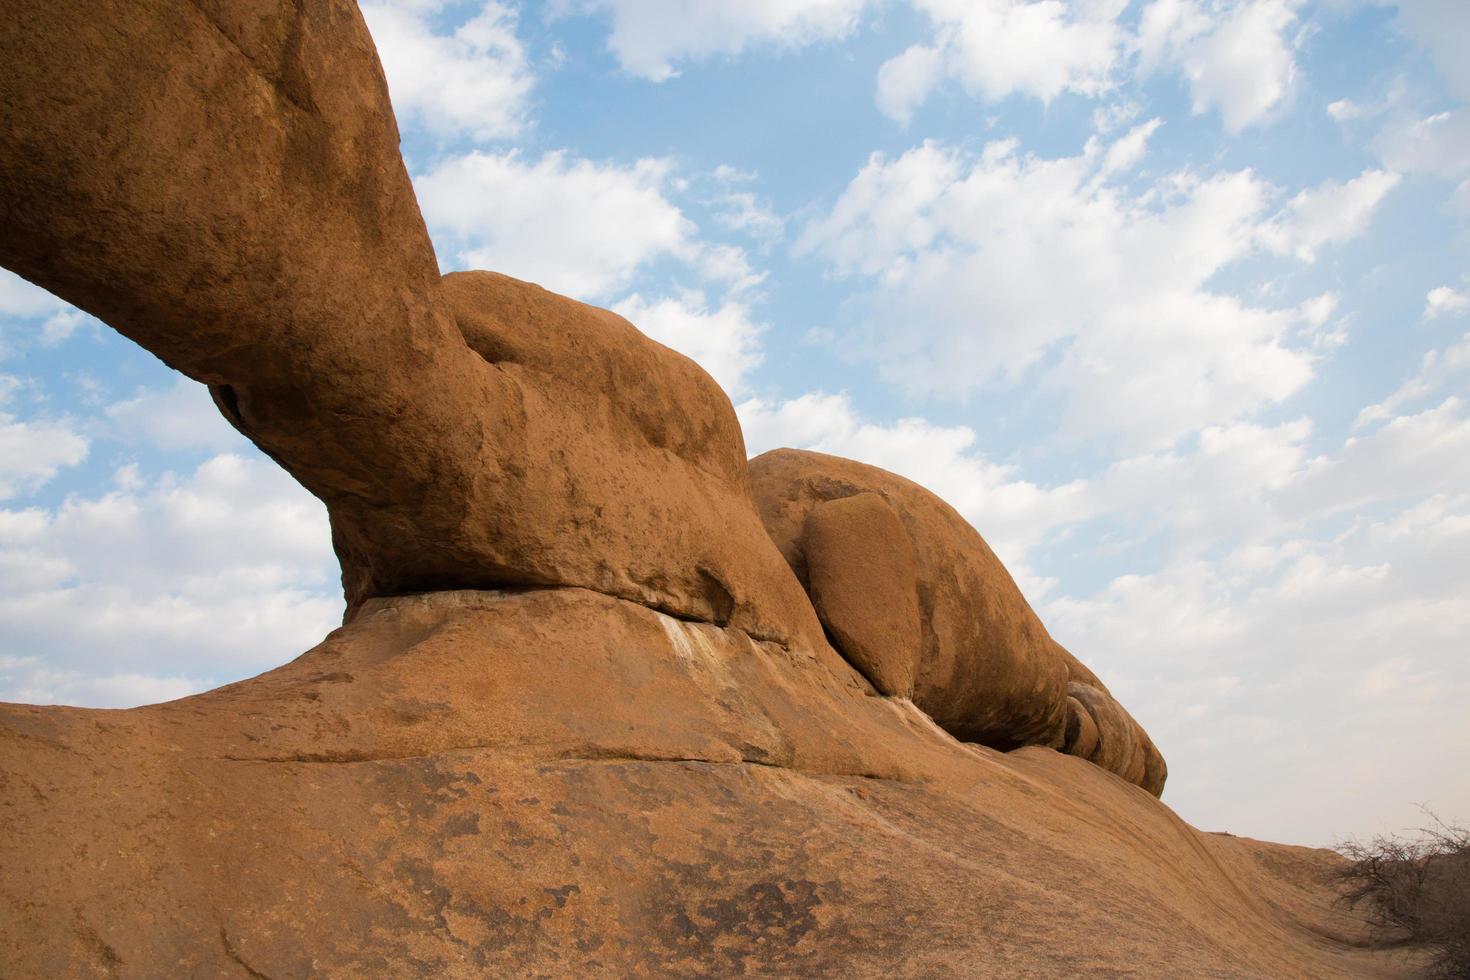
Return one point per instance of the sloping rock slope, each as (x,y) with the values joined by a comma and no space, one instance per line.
(583,718)
(876,550)
(558,783)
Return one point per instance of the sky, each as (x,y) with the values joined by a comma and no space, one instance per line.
(1169,298)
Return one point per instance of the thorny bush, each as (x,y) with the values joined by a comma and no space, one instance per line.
(1416,891)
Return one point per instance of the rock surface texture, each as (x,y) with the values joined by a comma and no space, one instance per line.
(865,586)
(583,718)
(553,782)
(220,181)
(984,667)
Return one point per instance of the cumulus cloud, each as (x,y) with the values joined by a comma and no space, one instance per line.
(1325,653)
(1331,213)
(724,340)
(1437,144)
(1235,54)
(1243,483)
(1014,514)
(160,586)
(45,320)
(1330,666)
(1409,456)
(1125,153)
(472,81)
(650,38)
(997,48)
(29,680)
(180,417)
(905,81)
(21,299)
(1436,369)
(979,271)
(1408,138)
(589,229)
(572,225)
(1306,609)
(742,212)
(32,451)
(1441,27)
(1444,301)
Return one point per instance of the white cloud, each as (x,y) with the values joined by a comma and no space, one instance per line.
(742,212)
(1409,456)
(905,81)
(1328,214)
(572,225)
(474,81)
(1221,488)
(1444,301)
(584,228)
(1442,27)
(726,264)
(19,298)
(1459,203)
(997,48)
(60,326)
(982,269)
(29,681)
(1235,55)
(723,340)
(1012,513)
(1261,641)
(32,451)
(58,320)
(1436,369)
(1125,152)
(1324,675)
(179,417)
(650,38)
(1319,663)
(1438,144)
(1411,140)
(160,586)
(1110,116)
(1318,310)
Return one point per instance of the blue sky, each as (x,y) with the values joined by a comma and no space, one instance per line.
(1171,298)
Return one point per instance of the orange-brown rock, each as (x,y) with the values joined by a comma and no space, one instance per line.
(637,755)
(1081,735)
(552,782)
(221,182)
(988,671)
(864,584)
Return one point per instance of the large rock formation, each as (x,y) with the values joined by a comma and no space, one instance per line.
(583,718)
(972,653)
(552,782)
(221,182)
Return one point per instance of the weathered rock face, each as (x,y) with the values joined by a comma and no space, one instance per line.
(221,182)
(987,670)
(865,586)
(551,782)
(636,754)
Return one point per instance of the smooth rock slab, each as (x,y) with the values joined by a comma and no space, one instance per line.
(556,783)
(864,584)
(987,670)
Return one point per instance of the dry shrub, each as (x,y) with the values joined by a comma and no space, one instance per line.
(1416,891)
